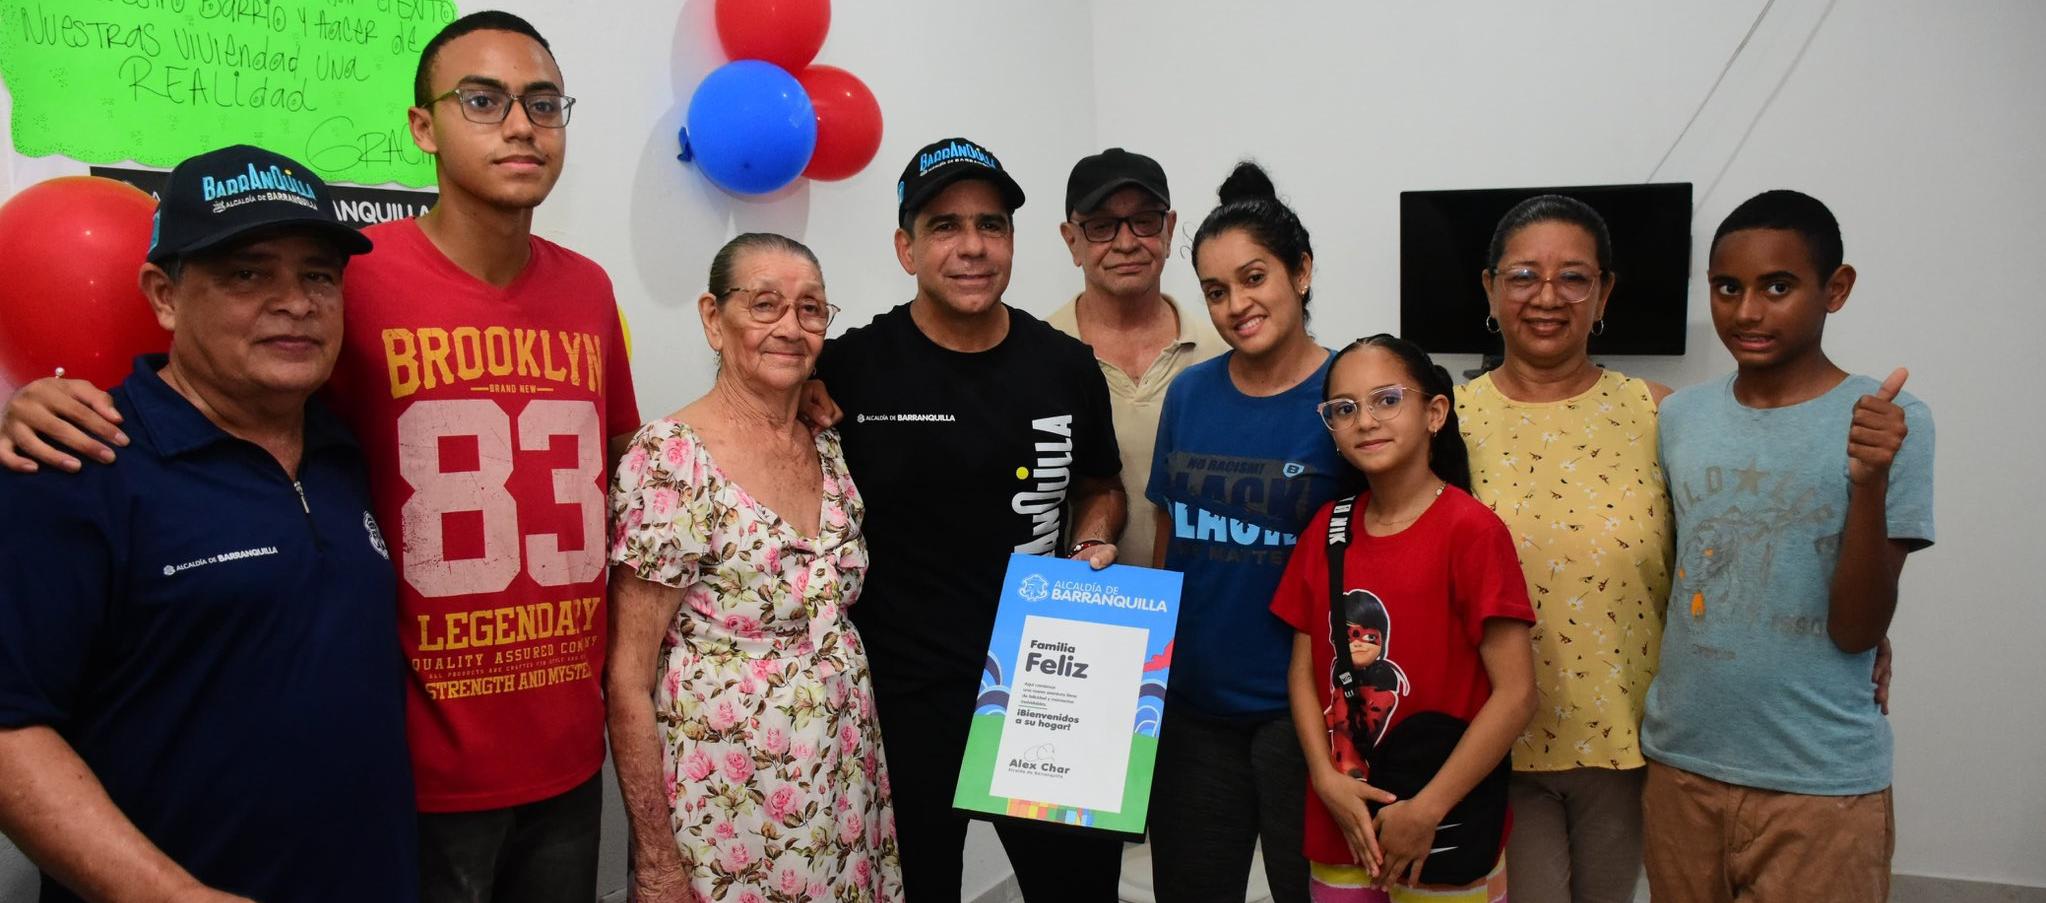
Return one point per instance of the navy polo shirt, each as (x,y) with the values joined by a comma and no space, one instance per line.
(219,644)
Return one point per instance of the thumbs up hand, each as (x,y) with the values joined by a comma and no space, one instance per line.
(1878,432)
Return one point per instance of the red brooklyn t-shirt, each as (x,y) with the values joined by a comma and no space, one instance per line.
(1423,595)
(485,414)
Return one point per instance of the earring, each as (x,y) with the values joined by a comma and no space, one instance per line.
(1491,325)
(1598,327)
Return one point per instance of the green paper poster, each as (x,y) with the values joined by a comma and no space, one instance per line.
(155,81)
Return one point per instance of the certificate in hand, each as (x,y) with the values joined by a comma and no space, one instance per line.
(1065,729)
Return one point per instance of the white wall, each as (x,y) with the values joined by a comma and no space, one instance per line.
(1918,123)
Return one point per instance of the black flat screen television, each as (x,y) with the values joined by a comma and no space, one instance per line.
(1444,237)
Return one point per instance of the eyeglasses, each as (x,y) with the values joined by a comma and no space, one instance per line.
(1381,404)
(1143,224)
(769,306)
(1572,285)
(490,106)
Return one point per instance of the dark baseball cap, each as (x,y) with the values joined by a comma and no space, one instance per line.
(221,195)
(1095,178)
(941,163)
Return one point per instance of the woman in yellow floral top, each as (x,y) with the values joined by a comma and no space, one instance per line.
(1565,453)
(742,715)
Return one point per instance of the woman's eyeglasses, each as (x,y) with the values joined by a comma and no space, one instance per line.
(1524,283)
(769,306)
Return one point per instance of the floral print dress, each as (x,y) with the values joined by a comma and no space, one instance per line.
(771,748)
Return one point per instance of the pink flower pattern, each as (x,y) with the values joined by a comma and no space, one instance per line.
(774,741)
(785,801)
(698,766)
(772,752)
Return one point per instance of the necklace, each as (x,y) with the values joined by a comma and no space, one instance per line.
(1383,522)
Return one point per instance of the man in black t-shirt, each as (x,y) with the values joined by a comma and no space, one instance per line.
(973,430)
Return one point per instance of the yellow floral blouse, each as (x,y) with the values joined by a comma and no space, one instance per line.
(1579,484)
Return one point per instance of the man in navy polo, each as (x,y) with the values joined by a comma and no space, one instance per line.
(199,696)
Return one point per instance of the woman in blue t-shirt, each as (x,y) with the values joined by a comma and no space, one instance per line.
(1242,463)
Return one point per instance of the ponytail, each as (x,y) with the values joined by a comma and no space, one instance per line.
(1447,456)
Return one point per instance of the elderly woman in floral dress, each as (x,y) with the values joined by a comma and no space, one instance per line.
(742,718)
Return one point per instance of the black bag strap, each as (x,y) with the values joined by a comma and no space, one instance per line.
(1347,680)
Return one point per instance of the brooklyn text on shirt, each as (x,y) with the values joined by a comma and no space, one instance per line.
(492,359)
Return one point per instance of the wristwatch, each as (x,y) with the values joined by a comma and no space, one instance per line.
(1084,545)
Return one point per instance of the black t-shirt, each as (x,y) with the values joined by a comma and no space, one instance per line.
(962,458)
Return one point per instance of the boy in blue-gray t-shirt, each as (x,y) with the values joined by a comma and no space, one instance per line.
(1799,489)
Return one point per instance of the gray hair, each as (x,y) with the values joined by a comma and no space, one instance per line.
(727,258)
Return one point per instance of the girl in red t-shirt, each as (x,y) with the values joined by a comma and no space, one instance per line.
(1407,725)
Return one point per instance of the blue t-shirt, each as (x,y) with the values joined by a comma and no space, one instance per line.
(1751,690)
(219,644)
(1239,477)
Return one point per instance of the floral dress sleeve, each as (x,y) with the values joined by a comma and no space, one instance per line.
(661,507)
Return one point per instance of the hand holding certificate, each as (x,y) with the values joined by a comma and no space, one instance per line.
(1065,729)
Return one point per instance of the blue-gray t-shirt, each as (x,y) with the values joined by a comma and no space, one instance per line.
(1751,689)
(1238,476)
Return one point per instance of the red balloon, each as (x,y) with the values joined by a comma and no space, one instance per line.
(848,122)
(786,33)
(70,250)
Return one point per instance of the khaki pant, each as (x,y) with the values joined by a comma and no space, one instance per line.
(1706,841)
(1576,835)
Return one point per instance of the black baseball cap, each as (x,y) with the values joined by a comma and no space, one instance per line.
(218,196)
(943,162)
(1095,178)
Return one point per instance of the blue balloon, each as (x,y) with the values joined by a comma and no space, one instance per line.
(750,128)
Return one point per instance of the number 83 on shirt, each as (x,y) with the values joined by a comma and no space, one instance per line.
(462,457)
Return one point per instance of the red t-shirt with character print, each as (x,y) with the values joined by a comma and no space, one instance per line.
(1417,601)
